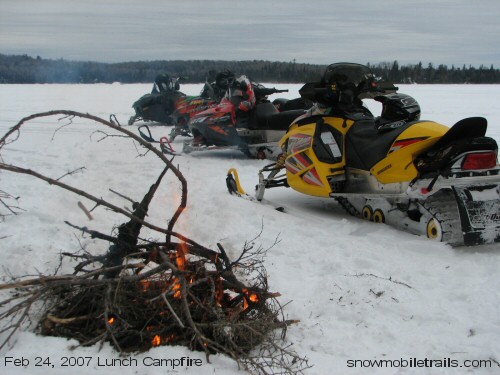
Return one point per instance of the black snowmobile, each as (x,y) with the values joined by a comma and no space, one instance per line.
(160,103)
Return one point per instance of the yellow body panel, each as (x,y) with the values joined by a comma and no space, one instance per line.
(307,174)
(398,166)
(311,174)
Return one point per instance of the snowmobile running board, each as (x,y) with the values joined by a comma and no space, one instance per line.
(250,149)
(188,148)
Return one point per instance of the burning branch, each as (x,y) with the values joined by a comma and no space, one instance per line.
(142,294)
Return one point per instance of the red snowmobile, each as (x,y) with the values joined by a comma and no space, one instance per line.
(244,119)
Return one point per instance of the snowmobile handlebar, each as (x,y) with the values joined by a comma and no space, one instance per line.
(264,91)
(315,90)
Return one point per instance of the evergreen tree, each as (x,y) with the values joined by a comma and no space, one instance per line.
(25,69)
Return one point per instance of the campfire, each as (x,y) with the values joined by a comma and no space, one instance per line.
(163,297)
(143,294)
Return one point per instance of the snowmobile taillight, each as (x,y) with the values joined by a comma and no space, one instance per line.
(480,160)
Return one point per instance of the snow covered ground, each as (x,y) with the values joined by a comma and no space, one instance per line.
(361,291)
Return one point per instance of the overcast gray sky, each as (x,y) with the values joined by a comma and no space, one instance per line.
(312,31)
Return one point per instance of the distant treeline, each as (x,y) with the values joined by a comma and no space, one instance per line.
(26,69)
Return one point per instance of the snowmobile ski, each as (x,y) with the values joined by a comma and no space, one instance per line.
(234,187)
(165,144)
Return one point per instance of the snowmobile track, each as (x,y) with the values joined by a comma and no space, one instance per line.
(346,205)
(443,207)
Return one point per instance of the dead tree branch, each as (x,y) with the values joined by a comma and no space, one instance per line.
(17,128)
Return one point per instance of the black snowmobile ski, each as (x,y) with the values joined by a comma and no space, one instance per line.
(165,144)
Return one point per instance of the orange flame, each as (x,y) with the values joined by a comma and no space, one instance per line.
(111,320)
(219,293)
(182,251)
(156,341)
(251,296)
(145,285)
(177,287)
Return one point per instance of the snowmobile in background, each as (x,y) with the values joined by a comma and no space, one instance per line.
(419,176)
(158,105)
(167,105)
(244,119)
(211,95)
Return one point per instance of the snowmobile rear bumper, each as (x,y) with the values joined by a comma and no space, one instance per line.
(479,210)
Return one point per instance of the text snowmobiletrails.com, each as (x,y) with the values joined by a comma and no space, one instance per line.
(422,363)
(91,361)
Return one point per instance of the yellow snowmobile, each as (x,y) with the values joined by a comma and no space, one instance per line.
(419,176)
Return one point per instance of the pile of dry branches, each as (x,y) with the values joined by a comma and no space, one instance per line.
(142,294)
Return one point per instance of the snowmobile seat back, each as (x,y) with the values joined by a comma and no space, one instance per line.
(297,103)
(262,112)
(466,135)
(366,146)
(266,116)
(471,127)
(283,120)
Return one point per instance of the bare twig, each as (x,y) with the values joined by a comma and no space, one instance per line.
(84,209)
(383,278)
(70,173)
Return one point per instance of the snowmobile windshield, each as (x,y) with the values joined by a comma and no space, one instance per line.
(162,83)
(345,73)
(240,91)
(207,91)
(223,79)
(236,92)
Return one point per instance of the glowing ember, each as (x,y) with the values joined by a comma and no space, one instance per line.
(249,296)
(145,285)
(177,287)
(111,320)
(170,338)
(156,341)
